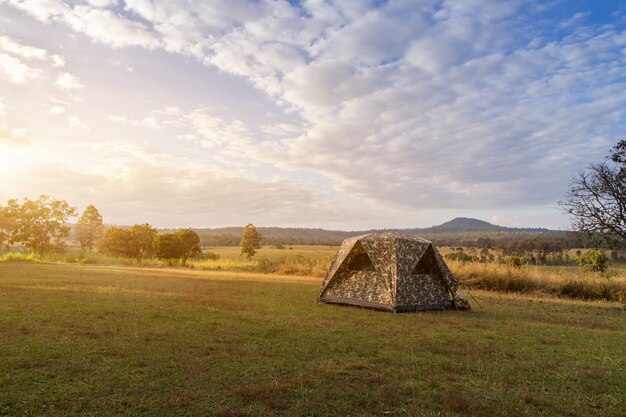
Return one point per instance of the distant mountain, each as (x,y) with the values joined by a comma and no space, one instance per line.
(467,224)
(315,236)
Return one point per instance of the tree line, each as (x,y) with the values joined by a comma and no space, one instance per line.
(41,226)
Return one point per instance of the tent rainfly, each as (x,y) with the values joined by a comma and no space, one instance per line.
(393,272)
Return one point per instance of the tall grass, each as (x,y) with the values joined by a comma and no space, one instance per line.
(568,282)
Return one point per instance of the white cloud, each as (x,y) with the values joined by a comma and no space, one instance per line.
(57,61)
(43,10)
(67,81)
(56,110)
(102,3)
(109,28)
(77,123)
(442,103)
(15,71)
(28,52)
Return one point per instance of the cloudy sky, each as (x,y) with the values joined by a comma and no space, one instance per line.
(345,114)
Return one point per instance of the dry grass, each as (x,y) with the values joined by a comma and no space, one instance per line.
(571,282)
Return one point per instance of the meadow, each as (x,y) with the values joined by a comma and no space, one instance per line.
(100,340)
(564,281)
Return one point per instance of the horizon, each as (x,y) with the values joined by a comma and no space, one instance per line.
(337,115)
(334,230)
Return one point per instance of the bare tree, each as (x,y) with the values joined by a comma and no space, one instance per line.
(597,199)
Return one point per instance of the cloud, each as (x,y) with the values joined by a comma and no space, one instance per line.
(56,110)
(43,10)
(67,81)
(133,185)
(109,28)
(57,61)
(75,122)
(15,71)
(479,103)
(28,52)
(8,135)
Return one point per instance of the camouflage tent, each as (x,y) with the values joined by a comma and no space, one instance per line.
(390,271)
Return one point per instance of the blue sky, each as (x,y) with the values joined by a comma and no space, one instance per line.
(339,114)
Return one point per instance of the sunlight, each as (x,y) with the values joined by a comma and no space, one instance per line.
(11,160)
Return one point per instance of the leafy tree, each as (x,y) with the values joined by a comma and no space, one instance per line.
(37,222)
(7,224)
(142,240)
(250,241)
(168,246)
(134,242)
(594,260)
(597,199)
(190,244)
(89,227)
(117,242)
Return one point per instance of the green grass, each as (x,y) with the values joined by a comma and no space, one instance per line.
(87,340)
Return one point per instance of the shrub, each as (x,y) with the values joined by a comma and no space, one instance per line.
(514,261)
(20,257)
(266,266)
(207,256)
(594,260)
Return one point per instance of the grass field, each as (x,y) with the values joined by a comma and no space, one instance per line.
(94,340)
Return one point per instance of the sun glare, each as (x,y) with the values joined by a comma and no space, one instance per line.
(11,161)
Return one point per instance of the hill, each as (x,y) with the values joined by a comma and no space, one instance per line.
(457,229)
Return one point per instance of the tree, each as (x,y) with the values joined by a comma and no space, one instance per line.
(168,246)
(134,242)
(594,260)
(37,222)
(117,242)
(89,227)
(190,244)
(597,199)
(250,241)
(7,224)
(142,240)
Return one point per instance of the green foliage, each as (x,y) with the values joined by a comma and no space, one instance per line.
(7,225)
(190,244)
(513,261)
(594,260)
(142,240)
(116,242)
(250,241)
(20,257)
(40,224)
(208,255)
(89,227)
(135,242)
(168,246)
(460,256)
(183,244)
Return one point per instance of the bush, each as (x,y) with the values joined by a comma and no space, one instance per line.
(20,257)
(594,260)
(461,257)
(514,261)
(266,266)
(207,256)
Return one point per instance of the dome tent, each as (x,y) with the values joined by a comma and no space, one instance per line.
(391,271)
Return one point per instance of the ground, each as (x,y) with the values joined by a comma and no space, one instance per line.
(89,340)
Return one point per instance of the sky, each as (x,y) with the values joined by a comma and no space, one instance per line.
(340,114)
